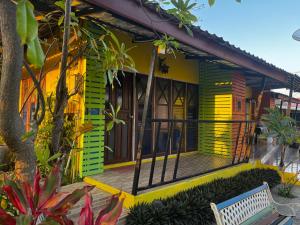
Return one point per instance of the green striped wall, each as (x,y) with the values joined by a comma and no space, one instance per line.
(215,103)
(94,103)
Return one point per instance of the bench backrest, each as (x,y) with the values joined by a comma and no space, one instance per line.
(240,208)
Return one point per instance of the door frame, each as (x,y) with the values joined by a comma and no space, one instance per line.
(112,100)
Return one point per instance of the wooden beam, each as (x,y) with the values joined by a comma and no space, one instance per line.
(202,58)
(138,164)
(256,115)
(142,39)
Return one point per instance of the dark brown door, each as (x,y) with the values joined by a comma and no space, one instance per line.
(119,139)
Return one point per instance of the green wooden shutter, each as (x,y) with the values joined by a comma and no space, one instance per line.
(94,103)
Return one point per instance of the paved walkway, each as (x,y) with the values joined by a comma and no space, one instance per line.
(270,154)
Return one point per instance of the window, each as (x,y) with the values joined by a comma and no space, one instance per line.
(239,104)
(171,100)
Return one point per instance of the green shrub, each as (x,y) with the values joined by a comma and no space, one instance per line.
(192,206)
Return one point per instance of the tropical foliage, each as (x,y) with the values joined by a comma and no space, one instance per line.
(182,10)
(27,28)
(282,128)
(112,117)
(116,58)
(212,2)
(166,44)
(287,184)
(41,203)
(45,157)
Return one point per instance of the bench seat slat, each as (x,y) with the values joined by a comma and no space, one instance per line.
(262,215)
(240,197)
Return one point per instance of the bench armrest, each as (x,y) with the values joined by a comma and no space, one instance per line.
(296,207)
(285,209)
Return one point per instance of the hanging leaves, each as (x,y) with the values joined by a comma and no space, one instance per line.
(60,4)
(27,26)
(35,53)
(182,10)
(116,58)
(27,29)
(211,2)
(113,117)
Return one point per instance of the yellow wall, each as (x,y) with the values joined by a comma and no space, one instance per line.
(52,69)
(180,68)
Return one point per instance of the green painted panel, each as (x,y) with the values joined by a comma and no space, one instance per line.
(94,98)
(215,103)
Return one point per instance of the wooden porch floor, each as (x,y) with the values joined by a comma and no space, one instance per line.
(190,164)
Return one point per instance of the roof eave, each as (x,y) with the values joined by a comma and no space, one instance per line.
(132,11)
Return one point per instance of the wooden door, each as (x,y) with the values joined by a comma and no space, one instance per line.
(119,139)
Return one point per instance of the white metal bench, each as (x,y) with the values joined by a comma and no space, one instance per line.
(253,207)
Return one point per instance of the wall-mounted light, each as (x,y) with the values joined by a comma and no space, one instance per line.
(162,66)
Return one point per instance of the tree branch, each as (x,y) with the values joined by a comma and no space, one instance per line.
(39,90)
(77,88)
(61,99)
(49,99)
(42,75)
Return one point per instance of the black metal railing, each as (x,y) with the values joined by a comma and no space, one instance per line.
(217,144)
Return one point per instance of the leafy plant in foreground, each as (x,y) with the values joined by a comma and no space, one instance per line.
(41,203)
(107,216)
(40,200)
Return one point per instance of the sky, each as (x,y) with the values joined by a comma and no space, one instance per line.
(261,27)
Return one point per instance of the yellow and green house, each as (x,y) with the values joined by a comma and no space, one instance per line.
(201,108)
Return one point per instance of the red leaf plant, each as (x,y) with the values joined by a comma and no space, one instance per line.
(107,216)
(42,204)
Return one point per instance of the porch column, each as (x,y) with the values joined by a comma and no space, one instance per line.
(288,111)
(259,98)
(281,103)
(256,115)
(142,128)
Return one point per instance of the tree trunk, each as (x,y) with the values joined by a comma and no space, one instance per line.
(282,156)
(11,125)
(61,100)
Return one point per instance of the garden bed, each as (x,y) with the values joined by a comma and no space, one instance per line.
(193,206)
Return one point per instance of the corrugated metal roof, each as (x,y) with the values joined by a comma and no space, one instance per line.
(213,37)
